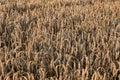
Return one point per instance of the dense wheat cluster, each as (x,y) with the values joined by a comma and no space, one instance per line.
(59,40)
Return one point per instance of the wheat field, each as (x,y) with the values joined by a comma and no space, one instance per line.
(59,39)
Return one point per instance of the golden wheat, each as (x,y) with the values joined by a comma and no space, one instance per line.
(59,40)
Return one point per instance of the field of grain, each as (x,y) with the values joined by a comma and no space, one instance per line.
(59,39)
